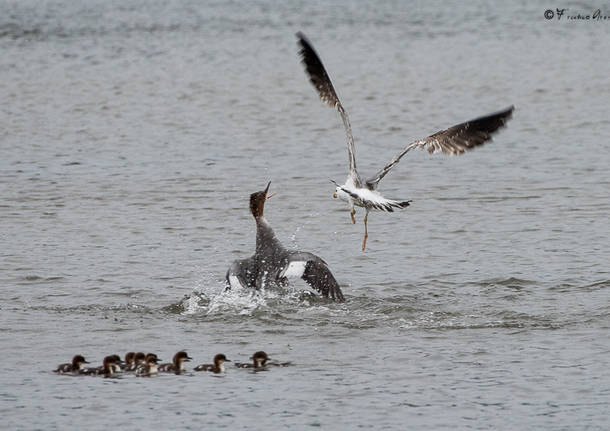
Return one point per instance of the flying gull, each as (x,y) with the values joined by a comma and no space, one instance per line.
(363,192)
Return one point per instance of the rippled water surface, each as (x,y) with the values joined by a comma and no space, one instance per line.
(132,133)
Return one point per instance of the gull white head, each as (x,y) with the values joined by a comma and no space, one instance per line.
(339,193)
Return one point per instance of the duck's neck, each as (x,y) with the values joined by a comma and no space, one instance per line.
(265,237)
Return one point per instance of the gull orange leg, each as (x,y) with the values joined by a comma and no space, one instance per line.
(351,213)
(366,232)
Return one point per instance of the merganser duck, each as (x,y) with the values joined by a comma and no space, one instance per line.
(177,365)
(216,367)
(110,366)
(272,262)
(363,192)
(149,367)
(74,367)
(138,359)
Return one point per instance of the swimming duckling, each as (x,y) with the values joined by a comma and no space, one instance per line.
(259,360)
(74,367)
(177,364)
(110,366)
(117,364)
(129,356)
(216,367)
(138,359)
(149,368)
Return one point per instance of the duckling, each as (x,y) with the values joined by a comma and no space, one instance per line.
(74,367)
(216,367)
(129,356)
(138,359)
(177,364)
(259,360)
(149,368)
(110,366)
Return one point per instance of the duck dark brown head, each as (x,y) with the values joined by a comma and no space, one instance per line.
(116,358)
(129,357)
(220,358)
(260,359)
(78,360)
(151,358)
(181,357)
(257,201)
(110,365)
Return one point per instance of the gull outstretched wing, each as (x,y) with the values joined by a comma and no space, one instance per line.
(321,81)
(453,141)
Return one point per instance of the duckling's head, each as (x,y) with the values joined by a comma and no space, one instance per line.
(259,359)
(78,361)
(181,357)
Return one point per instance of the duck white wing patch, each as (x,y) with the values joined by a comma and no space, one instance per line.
(295,269)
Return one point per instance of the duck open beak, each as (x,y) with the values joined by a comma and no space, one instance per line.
(267,189)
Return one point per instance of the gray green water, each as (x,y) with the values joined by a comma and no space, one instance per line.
(133,132)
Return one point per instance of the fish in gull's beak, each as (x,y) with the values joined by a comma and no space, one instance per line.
(337,185)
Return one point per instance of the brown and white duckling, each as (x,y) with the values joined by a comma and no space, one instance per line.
(115,363)
(129,357)
(177,364)
(74,367)
(259,360)
(110,366)
(149,367)
(216,367)
(138,359)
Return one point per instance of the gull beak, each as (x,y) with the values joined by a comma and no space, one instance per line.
(335,195)
(271,195)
